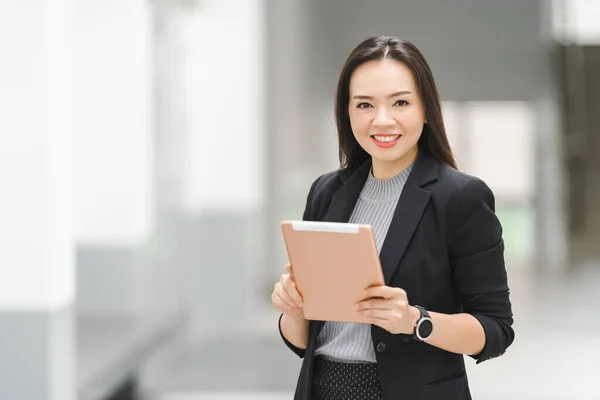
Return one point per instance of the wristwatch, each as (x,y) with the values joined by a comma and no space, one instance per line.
(423,327)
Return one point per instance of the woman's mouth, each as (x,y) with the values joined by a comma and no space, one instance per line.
(386,141)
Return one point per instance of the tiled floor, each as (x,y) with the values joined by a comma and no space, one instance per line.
(556,353)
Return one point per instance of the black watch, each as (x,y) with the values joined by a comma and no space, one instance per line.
(424,326)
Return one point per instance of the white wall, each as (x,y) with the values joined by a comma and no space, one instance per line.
(114,132)
(576,20)
(224,152)
(503,134)
(36,136)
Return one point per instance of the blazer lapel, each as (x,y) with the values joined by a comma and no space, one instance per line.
(344,200)
(411,205)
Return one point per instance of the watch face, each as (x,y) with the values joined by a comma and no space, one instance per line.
(425,328)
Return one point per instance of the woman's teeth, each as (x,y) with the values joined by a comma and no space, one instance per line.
(386,138)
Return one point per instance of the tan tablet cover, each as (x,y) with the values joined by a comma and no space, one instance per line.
(332,265)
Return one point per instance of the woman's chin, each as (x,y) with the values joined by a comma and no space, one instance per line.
(388,156)
(399,157)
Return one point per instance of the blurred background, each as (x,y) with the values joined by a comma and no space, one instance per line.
(149,149)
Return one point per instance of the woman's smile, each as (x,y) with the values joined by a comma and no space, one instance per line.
(386,140)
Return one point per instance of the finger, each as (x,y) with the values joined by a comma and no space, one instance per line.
(401,303)
(287,281)
(278,303)
(380,322)
(380,316)
(378,303)
(386,292)
(285,303)
(288,268)
(292,291)
(285,296)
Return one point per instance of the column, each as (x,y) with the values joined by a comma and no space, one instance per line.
(37,289)
(115,150)
(551,219)
(223,186)
(551,194)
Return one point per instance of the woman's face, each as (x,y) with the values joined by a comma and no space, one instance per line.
(386,114)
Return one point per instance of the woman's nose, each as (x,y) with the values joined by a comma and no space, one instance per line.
(383,118)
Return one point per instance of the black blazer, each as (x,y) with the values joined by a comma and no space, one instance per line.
(444,247)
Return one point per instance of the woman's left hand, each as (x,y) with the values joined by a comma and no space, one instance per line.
(388,308)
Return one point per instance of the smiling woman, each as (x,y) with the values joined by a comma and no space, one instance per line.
(440,244)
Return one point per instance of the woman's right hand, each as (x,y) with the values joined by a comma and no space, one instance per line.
(285,296)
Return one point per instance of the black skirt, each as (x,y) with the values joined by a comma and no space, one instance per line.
(345,381)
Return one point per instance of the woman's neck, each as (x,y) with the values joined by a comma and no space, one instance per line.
(387,169)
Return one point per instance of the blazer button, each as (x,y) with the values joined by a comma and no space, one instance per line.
(381,346)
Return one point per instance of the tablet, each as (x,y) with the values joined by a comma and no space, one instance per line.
(332,264)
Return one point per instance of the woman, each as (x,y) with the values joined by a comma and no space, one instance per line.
(440,244)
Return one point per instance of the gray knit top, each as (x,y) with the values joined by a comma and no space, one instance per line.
(351,342)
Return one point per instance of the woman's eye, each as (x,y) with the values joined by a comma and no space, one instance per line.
(363,105)
(401,103)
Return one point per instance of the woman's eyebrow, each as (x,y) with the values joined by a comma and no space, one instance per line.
(363,97)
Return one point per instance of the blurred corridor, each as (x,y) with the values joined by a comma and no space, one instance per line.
(555,356)
(150,149)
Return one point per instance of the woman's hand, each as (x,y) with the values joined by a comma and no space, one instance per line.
(285,296)
(387,307)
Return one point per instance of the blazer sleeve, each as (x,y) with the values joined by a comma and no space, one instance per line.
(479,272)
(297,350)
(307,216)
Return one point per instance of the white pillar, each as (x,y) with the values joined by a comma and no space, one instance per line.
(224,152)
(115,192)
(223,185)
(114,186)
(551,196)
(553,253)
(36,234)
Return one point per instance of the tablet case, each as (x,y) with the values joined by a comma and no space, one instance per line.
(332,264)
